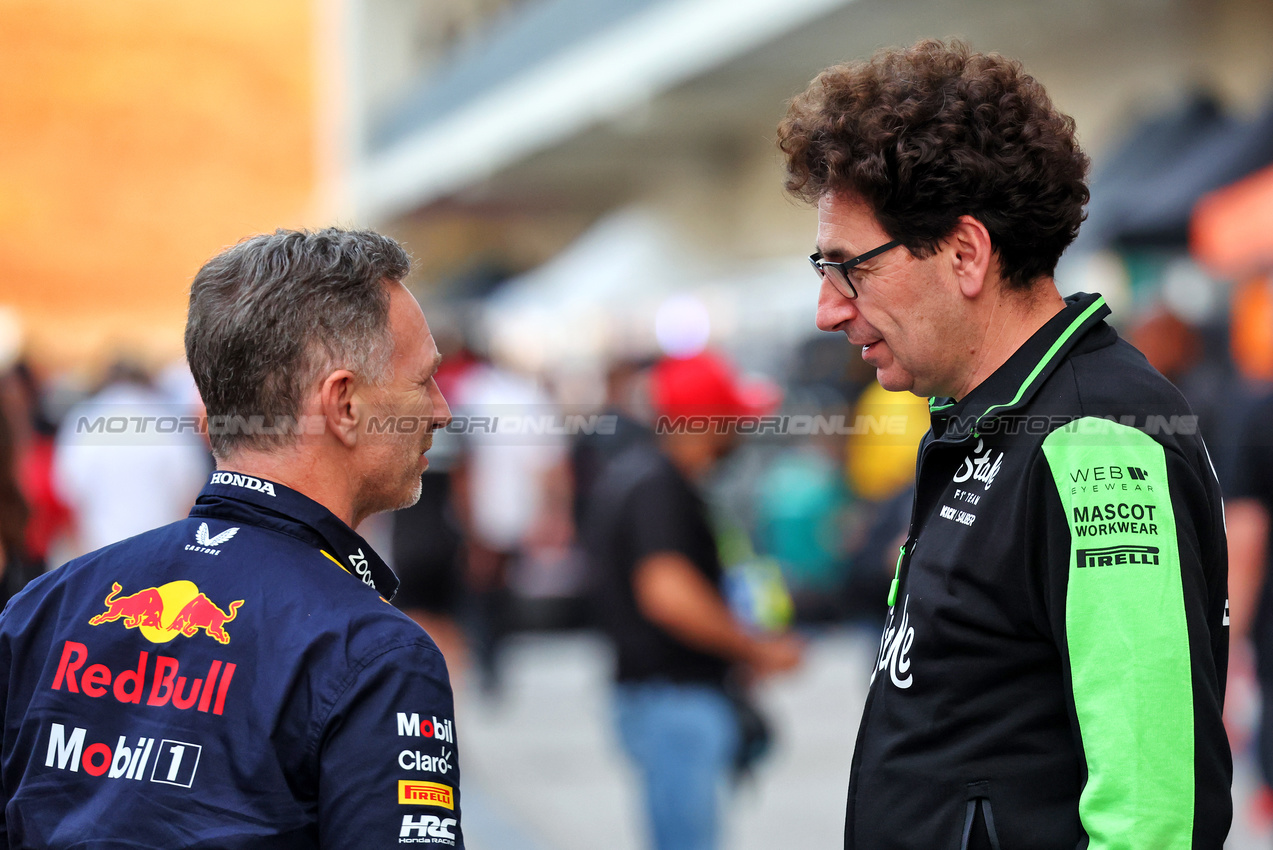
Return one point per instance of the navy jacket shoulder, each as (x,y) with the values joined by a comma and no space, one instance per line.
(236,679)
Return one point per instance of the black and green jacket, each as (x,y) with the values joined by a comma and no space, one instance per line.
(1052,671)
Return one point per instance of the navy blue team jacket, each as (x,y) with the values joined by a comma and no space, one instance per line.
(233,680)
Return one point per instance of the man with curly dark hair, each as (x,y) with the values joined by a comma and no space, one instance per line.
(1052,671)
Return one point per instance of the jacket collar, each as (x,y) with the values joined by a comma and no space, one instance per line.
(268,504)
(1014,384)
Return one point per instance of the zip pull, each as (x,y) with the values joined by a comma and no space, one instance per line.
(897,572)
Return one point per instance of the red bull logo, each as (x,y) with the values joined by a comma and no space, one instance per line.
(147,611)
(166,682)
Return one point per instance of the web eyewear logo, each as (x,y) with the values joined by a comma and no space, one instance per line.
(146,610)
(175,762)
(1117,556)
(1104,474)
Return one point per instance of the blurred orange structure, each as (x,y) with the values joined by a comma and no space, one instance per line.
(1231,233)
(1232,228)
(140,137)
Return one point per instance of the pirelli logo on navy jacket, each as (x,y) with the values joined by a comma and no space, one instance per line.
(1051,674)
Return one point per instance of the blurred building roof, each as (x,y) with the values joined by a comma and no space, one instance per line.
(545,73)
(514,45)
(1144,194)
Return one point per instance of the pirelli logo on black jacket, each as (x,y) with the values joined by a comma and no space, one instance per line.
(1116,556)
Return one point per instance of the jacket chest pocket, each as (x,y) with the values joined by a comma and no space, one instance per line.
(979,820)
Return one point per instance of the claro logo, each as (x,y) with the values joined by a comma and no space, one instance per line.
(158,685)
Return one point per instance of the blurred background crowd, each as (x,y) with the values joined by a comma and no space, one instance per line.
(586,186)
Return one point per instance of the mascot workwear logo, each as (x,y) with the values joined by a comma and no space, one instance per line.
(247,482)
(161,613)
(208,545)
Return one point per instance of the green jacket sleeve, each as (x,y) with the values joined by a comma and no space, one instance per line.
(1128,589)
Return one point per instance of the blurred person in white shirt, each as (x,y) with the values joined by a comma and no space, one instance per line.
(513,489)
(128,459)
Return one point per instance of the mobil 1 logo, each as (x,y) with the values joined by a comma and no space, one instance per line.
(166,761)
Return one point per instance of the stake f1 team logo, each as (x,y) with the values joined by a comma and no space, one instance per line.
(148,611)
(981,466)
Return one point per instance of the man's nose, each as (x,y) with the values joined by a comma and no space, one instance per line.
(441,412)
(834,310)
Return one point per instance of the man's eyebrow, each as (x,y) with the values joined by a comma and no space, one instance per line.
(436,364)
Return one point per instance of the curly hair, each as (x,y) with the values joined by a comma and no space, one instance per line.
(935,131)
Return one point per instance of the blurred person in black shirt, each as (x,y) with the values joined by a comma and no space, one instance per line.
(658,596)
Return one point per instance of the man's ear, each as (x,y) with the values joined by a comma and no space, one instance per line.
(336,400)
(972,255)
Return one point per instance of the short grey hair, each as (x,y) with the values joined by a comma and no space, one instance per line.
(277,312)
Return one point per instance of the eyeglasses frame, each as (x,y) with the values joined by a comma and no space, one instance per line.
(821,266)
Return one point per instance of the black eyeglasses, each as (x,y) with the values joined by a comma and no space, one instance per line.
(838,273)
